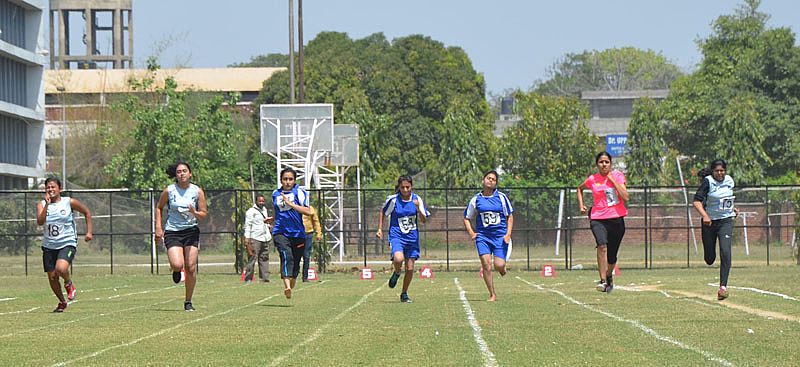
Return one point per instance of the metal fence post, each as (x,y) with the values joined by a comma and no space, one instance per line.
(447,225)
(111,230)
(769,229)
(25,217)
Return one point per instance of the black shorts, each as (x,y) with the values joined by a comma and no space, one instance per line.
(608,231)
(290,250)
(49,256)
(183,238)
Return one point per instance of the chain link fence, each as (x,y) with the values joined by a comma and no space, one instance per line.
(663,230)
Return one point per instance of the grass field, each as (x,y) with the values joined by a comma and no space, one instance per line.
(661,317)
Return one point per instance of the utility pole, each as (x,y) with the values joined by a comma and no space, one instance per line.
(301,82)
(61,90)
(291,51)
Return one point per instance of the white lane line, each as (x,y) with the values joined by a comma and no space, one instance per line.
(488,356)
(759,291)
(7,299)
(637,324)
(80,319)
(100,314)
(102,289)
(317,333)
(164,331)
(20,311)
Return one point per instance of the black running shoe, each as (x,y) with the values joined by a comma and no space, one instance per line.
(393,279)
(61,307)
(176,277)
(609,283)
(187,306)
(404,298)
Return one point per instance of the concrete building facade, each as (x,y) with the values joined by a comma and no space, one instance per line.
(91,34)
(22,111)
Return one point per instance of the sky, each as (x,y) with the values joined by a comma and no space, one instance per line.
(512,42)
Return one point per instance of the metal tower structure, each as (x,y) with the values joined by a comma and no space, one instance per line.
(91,34)
(304,138)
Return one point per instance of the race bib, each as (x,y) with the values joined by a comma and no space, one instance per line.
(611,196)
(407,224)
(52,231)
(726,203)
(490,218)
(185,213)
(282,206)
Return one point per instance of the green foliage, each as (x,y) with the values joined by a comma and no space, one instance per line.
(748,85)
(645,146)
(273,60)
(551,145)
(614,69)
(740,124)
(465,147)
(169,128)
(400,94)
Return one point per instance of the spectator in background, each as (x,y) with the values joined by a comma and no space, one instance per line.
(257,240)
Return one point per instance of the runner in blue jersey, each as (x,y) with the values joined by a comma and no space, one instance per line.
(289,234)
(494,223)
(403,208)
(186,203)
(714,202)
(60,238)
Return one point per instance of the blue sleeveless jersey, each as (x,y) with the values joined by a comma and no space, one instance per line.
(492,213)
(403,217)
(59,225)
(178,215)
(288,221)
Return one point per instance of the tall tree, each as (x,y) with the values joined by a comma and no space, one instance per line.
(168,130)
(552,144)
(744,62)
(273,60)
(409,83)
(740,140)
(645,145)
(614,69)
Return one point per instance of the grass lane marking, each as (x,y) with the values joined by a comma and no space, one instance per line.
(759,291)
(164,331)
(488,356)
(637,324)
(277,361)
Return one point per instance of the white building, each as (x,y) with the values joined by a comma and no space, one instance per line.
(22,61)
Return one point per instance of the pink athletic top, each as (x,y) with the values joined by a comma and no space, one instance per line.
(606,202)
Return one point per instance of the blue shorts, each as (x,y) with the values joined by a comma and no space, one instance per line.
(410,249)
(495,246)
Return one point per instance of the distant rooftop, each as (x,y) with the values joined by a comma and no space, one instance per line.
(92,81)
(626,94)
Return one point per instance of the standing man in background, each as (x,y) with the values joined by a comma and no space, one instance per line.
(312,224)
(257,239)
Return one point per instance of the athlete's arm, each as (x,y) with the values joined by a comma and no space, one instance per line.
(620,187)
(162,202)
(379,232)
(510,225)
(580,199)
(468,224)
(77,205)
(299,208)
(41,213)
(202,210)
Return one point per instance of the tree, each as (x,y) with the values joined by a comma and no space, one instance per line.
(403,88)
(645,145)
(740,140)
(614,69)
(466,148)
(169,130)
(552,144)
(748,72)
(273,60)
